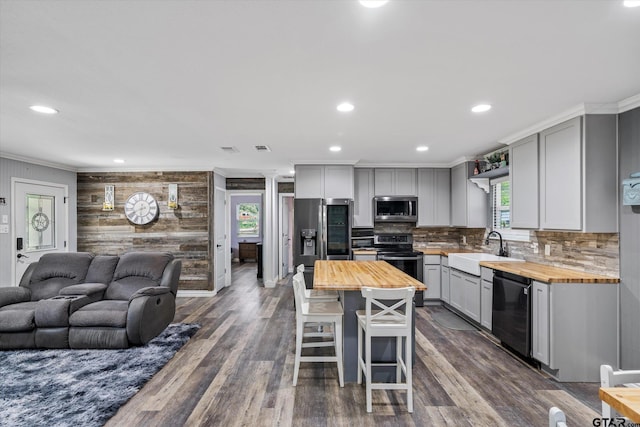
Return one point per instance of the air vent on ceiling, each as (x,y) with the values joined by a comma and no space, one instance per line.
(229,149)
(262,148)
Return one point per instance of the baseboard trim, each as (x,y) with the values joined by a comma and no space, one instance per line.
(195,294)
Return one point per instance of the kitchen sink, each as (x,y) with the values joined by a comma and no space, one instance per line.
(470,262)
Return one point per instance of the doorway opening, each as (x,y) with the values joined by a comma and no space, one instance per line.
(246,231)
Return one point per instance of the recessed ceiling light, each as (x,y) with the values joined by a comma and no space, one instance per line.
(118,161)
(481,108)
(373,3)
(422,148)
(44,109)
(292,172)
(335,148)
(345,107)
(631,3)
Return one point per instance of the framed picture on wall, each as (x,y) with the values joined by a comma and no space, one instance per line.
(248,218)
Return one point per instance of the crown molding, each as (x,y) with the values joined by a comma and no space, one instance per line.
(38,162)
(629,103)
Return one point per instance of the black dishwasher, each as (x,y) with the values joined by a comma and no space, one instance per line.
(511,312)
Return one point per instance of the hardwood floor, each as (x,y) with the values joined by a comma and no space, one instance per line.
(237,370)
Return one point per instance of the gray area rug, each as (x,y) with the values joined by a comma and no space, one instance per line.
(80,387)
(452,321)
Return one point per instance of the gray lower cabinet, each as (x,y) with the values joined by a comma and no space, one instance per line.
(444,284)
(431,277)
(540,322)
(486,297)
(456,282)
(575,329)
(465,293)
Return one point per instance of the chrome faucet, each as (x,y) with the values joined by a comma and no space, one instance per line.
(502,251)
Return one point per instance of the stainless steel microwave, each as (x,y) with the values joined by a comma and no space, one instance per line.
(395,209)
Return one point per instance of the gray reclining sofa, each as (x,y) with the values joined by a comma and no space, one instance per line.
(80,300)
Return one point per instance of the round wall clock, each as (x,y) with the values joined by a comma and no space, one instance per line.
(141,208)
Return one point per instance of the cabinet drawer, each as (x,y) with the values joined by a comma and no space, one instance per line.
(486,274)
(432,260)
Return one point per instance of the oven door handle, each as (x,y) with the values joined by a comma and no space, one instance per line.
(398,258)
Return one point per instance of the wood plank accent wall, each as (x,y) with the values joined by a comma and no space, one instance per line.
(185,232)
(285,187)
(245,184)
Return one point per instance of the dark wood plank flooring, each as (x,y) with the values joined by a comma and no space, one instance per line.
(238,369)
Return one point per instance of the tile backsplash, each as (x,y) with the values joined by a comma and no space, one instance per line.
(590,252)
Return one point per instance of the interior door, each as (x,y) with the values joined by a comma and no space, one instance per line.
(40,222)
(220,221)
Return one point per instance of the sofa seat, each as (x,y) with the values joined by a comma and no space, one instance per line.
(19,317)
(107,313)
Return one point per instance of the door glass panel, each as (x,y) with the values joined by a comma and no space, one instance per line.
(40,222)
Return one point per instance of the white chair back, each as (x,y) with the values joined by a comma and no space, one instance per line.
(557,418)
(611,378)
(298,290)
(388,307)
(300,268)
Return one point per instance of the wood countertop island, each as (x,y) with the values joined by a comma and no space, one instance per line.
(547,273)
(625,400)
(353,275)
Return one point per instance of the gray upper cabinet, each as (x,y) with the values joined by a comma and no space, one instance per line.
(523,173)
(434,197)
(309,181)
(363,197)
(468,201)
(578,175)
(338,182)
(395,182)
(324,182)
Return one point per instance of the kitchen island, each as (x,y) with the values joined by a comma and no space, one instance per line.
(348,277)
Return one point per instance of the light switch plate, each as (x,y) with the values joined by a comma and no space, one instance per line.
(4,229)
(547,250)
(5,219)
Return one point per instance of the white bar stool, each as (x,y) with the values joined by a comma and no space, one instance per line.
(389,319)
(317,312)
(315,295)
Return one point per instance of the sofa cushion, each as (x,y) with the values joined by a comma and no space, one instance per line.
(137,270)
(57,270)
(101,269)
(109,313)
(18,317)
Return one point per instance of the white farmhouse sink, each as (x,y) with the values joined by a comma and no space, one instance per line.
(470,262)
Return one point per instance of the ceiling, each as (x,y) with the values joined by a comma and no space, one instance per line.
(165,84)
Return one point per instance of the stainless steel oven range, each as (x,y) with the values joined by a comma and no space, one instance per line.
(397,250)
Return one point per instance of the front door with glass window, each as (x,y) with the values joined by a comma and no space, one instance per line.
(40,223)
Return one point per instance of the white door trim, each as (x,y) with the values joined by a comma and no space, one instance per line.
(281,197)
(14,182)
(229,216)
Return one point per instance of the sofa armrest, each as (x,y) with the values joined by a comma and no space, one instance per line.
(150,291)
(84,289)
(54,312)
(151,310)
(13,295)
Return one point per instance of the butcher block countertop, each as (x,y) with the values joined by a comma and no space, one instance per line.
(546,273)
(353,275)
(441,251)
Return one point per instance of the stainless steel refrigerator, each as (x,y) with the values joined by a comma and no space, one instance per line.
(322,230)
